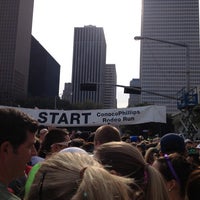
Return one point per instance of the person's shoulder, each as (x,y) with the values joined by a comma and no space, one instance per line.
(13,197)
(6,195)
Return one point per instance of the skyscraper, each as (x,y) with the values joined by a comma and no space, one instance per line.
(15,41)
(163,66)
(67,92)
(44,72)
(110,100)
(134,99)
(89,59)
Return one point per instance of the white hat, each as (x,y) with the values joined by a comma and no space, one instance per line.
(73,150)
(198,146)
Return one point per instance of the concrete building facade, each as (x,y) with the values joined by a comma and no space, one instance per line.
(110,100)
(67,92)
(15,41)
(163,67)
(89,59)
(134,99)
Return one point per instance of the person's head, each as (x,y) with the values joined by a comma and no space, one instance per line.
(141,147)
(42,134)
(89,147)
(172,143)
(175,169)
(56,140)
(125,160)
(84,135)
(17,137)
(106,133)
(188,143)
(76,142)
(77,176)
(151,154)
(193,156)
(193,185)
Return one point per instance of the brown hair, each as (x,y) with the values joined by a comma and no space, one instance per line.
(193,185)
(15,125)
(151,154)
(55,135)
(180,169)
(107,133)
(126,160)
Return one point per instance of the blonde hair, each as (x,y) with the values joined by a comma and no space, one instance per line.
(127,161)
(77,176)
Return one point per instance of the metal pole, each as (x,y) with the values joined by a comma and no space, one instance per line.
(159,40)
(55,102)
(187,69)
(135,88)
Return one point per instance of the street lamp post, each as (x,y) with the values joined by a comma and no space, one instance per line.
(175,44)
(187,100)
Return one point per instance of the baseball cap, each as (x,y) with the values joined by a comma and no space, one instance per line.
(171,143)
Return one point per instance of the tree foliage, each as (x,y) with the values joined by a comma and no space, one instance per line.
(55,103)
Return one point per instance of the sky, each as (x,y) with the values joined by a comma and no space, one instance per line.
(53,26)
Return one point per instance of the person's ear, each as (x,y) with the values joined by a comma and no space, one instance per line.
(96,144)
(5,147)
(55,148)
(171,185)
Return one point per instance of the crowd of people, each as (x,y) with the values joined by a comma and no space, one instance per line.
(46,163)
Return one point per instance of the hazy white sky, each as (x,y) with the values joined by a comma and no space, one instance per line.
(53,27)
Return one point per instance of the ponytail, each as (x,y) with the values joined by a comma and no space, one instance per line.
(98,184)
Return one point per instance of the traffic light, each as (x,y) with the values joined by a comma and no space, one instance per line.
(88,87)
(132,90)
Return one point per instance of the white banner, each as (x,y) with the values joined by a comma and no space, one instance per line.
(77,118)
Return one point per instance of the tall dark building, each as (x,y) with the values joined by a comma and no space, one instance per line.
(163,67)
(15,41)
(44,73)
(89,58)
(134,99)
